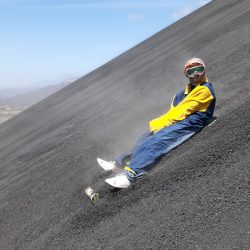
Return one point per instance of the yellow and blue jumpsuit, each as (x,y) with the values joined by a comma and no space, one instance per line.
(191,110)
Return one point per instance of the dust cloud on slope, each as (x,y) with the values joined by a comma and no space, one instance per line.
(195,198)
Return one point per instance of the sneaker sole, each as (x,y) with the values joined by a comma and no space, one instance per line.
(106,166)
(111,183)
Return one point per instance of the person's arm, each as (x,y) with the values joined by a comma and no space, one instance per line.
(197,101)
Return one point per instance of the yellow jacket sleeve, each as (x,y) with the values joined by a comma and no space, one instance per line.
(198,100)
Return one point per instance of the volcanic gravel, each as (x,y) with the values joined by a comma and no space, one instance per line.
(196,197)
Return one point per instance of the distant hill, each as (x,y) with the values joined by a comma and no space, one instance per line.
(32,97)
(12,103)
(10,92)
(197,197)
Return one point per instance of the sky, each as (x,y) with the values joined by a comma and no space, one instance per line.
(45,42)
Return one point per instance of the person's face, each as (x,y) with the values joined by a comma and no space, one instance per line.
(196,80)
(195,74)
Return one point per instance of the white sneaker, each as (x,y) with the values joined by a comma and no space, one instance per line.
(119,181)
(106,165)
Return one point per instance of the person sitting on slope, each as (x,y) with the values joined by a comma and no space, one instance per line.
(191,110)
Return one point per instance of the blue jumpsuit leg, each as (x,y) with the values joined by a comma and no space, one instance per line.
(142,139)
(157,145)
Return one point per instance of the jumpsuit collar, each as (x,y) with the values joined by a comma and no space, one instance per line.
(190,87)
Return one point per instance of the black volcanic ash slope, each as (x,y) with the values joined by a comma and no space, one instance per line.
(195,198)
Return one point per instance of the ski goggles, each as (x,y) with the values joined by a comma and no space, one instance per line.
(192,72)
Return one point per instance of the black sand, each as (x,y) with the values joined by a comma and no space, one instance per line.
(197,197)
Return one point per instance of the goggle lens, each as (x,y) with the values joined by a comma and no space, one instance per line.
(192,72)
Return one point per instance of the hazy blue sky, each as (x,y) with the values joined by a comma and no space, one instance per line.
(46,41)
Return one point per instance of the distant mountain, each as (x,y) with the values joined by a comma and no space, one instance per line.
(197,197)
(31,97)
(10,92)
